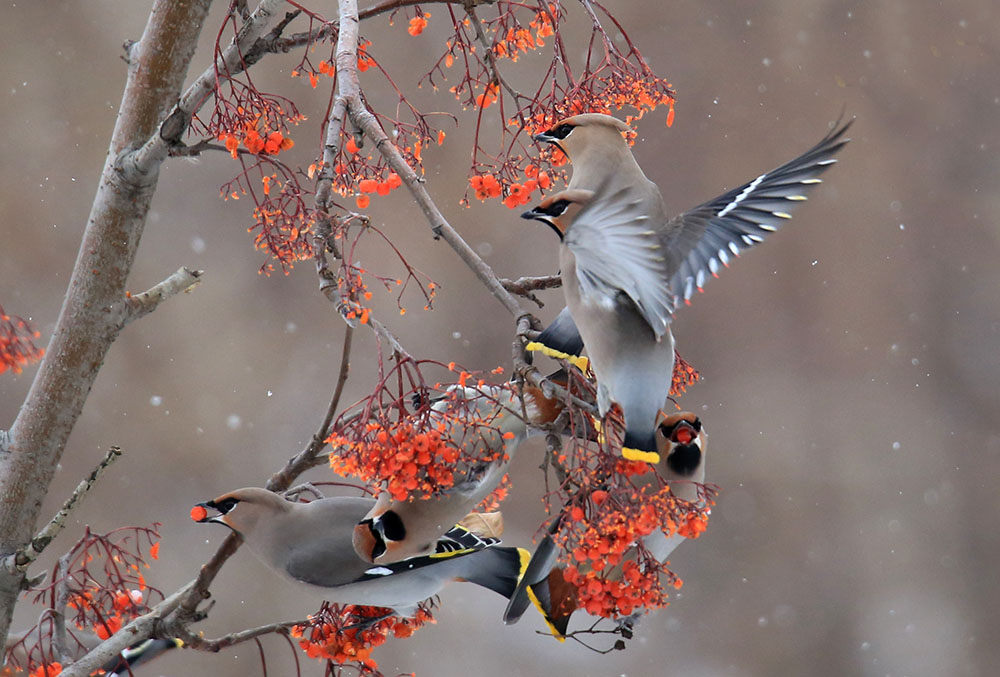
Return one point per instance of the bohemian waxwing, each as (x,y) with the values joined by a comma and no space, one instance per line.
(311,543)
(394,530)
(82,642)
(625,265)
(682,444)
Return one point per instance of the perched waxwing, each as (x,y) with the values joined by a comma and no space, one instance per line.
(398,529)
(311,543)
(625,265)
(681,440)
(81,642)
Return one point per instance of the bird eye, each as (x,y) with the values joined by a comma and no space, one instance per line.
(562,131)
(557,208)
(225,505)
(392,526)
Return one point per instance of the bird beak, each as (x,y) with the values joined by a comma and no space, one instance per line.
(200,514)
(683,433)
(530,214)
(544,137)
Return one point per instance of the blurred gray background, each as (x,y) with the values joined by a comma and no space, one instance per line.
(850,363)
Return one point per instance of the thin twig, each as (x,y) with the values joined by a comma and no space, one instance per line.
(22,558)
(232,638)
(304,38)
(140,305)
(525,286)
(522,286)
(283,479)
(491,63)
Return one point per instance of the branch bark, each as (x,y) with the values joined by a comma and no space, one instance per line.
(93,311)
(140,305)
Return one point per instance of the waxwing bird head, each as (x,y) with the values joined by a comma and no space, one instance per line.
(240,510)
(589,131)
(681,440)
(558,210)
(381,530)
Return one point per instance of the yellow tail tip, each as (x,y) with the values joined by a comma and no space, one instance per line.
(577,361)
(545,615)
(639,455)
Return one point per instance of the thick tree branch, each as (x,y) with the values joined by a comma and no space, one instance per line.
(92,312)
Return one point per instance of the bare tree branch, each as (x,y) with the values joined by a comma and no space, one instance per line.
(243,636)
(523,286)
(25,555)
(140,305)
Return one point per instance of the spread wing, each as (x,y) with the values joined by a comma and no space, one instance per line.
(617,251)
(705,237)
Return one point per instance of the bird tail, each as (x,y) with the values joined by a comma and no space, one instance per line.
(543,586)
(556,600)
(497,568)
(640,446)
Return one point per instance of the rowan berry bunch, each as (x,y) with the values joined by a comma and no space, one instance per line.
(17,343)
(345,635)
(97,586)
(416,439)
